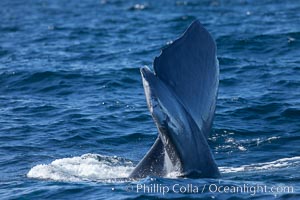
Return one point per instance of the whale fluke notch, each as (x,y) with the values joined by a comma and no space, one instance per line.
(181,96)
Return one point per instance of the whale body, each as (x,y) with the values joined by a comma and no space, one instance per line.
(181,96)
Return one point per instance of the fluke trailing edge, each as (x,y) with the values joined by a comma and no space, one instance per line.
(181,96)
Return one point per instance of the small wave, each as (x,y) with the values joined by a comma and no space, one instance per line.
(273,165)
(139,7)
(291,112)
(88,167)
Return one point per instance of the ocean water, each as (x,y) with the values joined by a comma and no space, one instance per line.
(73,116)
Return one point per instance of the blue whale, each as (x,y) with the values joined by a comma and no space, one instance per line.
(181,95)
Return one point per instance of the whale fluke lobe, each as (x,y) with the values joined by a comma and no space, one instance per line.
(181,96)
(189,66)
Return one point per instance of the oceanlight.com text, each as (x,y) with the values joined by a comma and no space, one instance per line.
(209,188)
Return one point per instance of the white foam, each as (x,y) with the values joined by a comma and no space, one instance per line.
(242,148)
(94,167)
(90,167)
(173,174)
(277,164)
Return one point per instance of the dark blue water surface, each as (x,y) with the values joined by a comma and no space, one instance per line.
(72,108)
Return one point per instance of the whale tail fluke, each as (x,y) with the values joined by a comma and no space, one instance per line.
(181,96)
